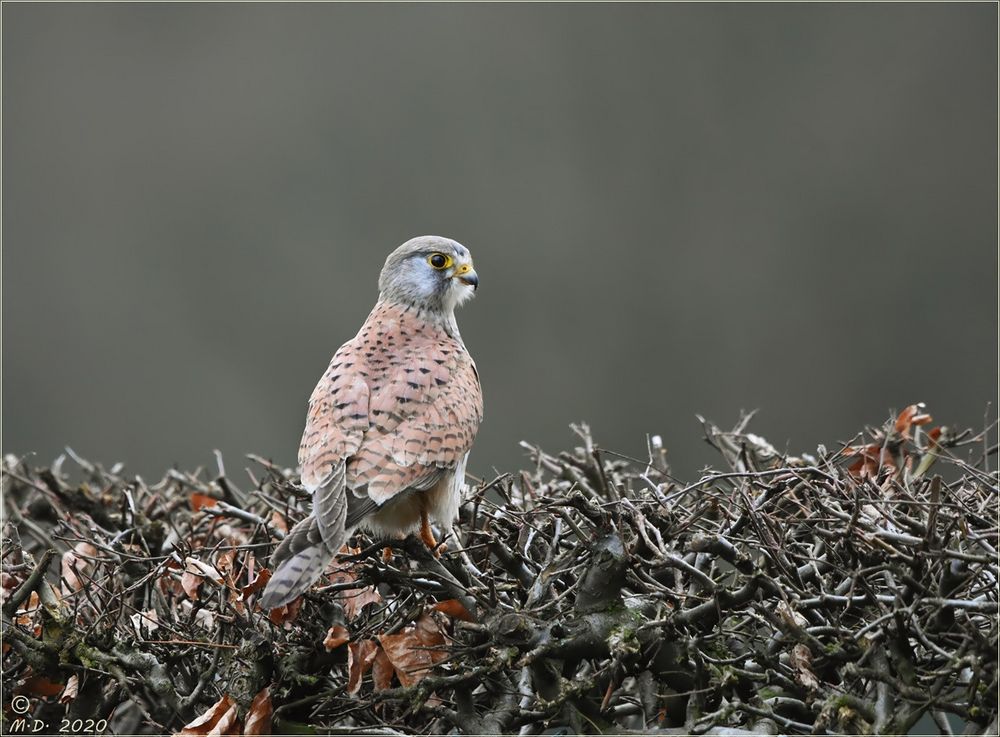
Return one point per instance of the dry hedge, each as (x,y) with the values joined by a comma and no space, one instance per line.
(851,592)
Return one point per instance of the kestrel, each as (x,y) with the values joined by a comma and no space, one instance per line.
(391,421)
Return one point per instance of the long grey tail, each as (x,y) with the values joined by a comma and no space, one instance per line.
(299,561)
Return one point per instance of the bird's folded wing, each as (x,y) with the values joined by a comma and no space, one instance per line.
(424,419)
(337,419)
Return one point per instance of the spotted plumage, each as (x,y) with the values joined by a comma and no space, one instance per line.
(391,421)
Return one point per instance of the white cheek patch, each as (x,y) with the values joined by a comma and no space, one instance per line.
(458,293)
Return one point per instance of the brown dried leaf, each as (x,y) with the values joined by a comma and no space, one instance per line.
(285,615)
(872,459)
(203,569)
(191,582)
(224,563)
(72,689)
(405,658)
(431,629)
(195,573)
(147,621)
(354,600)
(912,415)
(258,720)
(382,671)
(199,501)
(279,523)
(169,585)
(415,650)
(340,571)
(454,609)
(236,601)
(360,656)
(792,619)
(801,660)
(903,420)
(227,725)
(74,561)
(55,594)
(201,725)
(7,585)
(335,637)
(257,583)
(24,613)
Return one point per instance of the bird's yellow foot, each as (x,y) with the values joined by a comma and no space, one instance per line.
(427,535)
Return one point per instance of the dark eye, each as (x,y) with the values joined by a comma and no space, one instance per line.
(439,260)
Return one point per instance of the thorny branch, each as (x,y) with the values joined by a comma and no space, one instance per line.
(850,592)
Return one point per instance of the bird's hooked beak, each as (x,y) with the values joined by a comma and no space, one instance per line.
(467,275)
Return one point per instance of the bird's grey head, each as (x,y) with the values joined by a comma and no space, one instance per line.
(431,272)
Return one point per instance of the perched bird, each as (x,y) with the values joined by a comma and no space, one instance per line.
(391,421)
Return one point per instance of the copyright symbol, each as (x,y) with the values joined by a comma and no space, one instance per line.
(20,704)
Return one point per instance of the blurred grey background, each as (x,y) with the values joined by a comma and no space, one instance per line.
(674,209)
